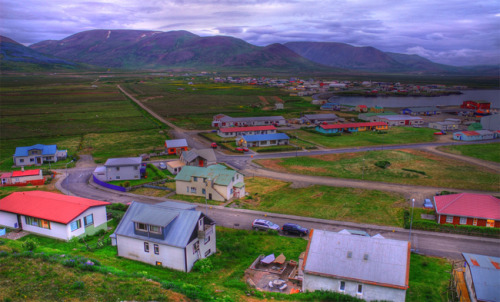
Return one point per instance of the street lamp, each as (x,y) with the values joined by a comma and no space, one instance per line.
(411,218)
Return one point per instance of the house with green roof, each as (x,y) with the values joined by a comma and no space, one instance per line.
(216,182)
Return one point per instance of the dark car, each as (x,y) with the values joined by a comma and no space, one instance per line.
(262,224)
(292,228)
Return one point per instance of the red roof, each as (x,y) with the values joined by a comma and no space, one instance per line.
(26,173)
(362,106)
(470,133)
(353,125)
(6,175)
(244,129)
(46,205)
(468,205)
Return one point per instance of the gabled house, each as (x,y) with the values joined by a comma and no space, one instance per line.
(38,154)
(491,122)
(222,120)
(473,135)
(369,268)
(482,278)
(176,146)
(430,110)
(23,178)
(263,140)
(468,209)
(361,108)
(175,166)
(319,118)
(235,131)
(214,182)
(351,127)
(124,168)
(199,157)
(53,215)
(400,120)
(168,234)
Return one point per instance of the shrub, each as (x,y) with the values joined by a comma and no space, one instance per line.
(78,285)
(29,244)
(126,184)
(3,254)
(382,164)
(118,206)
(203,266)
(272,232)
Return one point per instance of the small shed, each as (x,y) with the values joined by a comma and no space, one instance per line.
(176,146)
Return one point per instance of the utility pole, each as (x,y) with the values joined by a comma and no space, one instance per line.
(411,218)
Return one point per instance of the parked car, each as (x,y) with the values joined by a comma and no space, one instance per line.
(242,149)
(292,228)
(428,204)
(213,145)
(162,166)
(262,224)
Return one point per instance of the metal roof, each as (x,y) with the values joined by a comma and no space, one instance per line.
(155,216)
(251,119)
(353,125)
(468,205)
(26,173)
(220,174)
(485,272)
(246,129)
(208,154)
(265,137)
(324,116)
(176,143)
(343,256)
(178,231)
(123,161)
(398,117)
(46,149)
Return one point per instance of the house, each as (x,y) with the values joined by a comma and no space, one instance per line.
(235,131)
(351,127)
(124,168)
(53,215)
(446,125)
(468,209)
(482,277)
(319,118)
(361,108)
(430,110)
(175,166)
(372,116)
(176,146)
(476,105)
(222,120)
(491,122)
(369,268)
(199,157)
(473,135)
(38,154)
(214,182)
(330,106)
(377,109)
(23,178)
(263,140)
(168,234)
(400,120)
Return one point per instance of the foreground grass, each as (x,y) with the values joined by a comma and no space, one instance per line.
(346,204)
(489,152)
(428,169)
(429,279)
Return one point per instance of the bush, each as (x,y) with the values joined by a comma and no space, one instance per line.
(118,206)
(126,184)
(203,266)
(383,164)
(3,254)
(78,285)
(30,244)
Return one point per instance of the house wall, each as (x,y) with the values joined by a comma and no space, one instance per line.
(8,219)
(169,256)
(470,284)
(100,222)
(205,249)
(124,173)
(370,292)
(470,221)
(57,230)
(23,179)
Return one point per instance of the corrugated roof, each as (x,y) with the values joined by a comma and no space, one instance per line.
(265,137)
(468,205)
(178,232)
(155,216)
(176,143)
(46,149)
(244,129)
(251,119)
(220,174)
(208,154)
(399,117)
(387,263)
(467,133)
(353,125)
(26,173)
(323,116)
(123,161)
(46,205)
(485,276)
(6,175)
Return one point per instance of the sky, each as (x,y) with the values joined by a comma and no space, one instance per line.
(451,32)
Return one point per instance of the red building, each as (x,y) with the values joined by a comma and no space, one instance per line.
(477,105)
(468,209)
(176,146)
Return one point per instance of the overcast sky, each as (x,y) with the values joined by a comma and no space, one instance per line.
(446,31)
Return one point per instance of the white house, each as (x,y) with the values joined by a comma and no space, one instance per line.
(370,268)
(214,182)
(400,120)
(124,168)
(262,140)
(53,215)
(235,131)
(168,234)
(23,178)
(38,154)
(222,120)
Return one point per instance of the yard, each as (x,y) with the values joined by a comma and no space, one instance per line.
(407,166)
(482,151)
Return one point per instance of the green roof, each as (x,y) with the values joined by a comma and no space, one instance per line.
(239,185)
(219,173)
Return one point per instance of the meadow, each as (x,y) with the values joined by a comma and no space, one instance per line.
(489,152)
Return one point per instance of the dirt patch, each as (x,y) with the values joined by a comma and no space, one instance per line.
(152,98)
(424,154)
(272,164)
(263,100)
(309,169)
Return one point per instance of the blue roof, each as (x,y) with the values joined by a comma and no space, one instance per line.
(265,137)
(46,149)
(180,222)
(485,276)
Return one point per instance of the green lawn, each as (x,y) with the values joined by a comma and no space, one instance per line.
(489,152)
(429,278)
(422,169)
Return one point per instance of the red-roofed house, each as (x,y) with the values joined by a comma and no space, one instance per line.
(53,215)
(23,178)
(467,136)
(351,127)
(468,209)
(361,108)
(239,131)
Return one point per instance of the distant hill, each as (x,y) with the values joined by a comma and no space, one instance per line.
(153,49)
(17,57)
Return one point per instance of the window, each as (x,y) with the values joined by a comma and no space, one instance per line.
(88,220)
(117,168)
(365,257)
(75,225)
(490,223)
(21,160)
(207,239)
(155,229)
(203,191)
(463,220)
(187,189)
(157,249)
(207,253)
(231,191)
(193,190)
(449,219)
(146,247)
(195,178)
(141,226)
(342,286)
(360,289)
(32,159)
(136,167)
(117,177)
(474,221)
(158,263)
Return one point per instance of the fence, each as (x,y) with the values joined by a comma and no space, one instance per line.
(109,186)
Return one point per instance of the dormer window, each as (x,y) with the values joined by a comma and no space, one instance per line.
(141,227)
(155,229)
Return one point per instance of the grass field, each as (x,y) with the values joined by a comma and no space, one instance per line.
(428,169)
(346,204)
(429,278)
(489,152)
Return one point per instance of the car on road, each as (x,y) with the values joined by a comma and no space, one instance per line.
(262,224)
(242,149)
(162,166)
(292,228)
(440,133)
(428,204)
(213,145)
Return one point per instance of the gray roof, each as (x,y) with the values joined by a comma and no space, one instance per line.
(208,154)
(123,161)
(180,221)
(485,276)
(387,260)
(175,143)
(324,116)
(422,109)
(250,119)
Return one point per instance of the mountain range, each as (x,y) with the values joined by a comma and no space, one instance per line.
(141,49)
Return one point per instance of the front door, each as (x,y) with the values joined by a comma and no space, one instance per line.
(39,160)
(209,196)
(200,163)
(407,122)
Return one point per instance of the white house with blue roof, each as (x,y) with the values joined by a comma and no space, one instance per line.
(168,234)
(38,154)
(263,140)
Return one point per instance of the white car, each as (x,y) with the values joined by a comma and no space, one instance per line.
(162,166)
